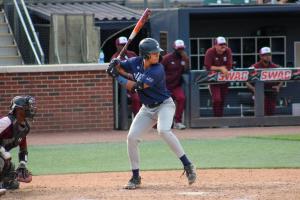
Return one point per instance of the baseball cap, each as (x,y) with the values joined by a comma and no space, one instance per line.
(121,40)
(178,44)
(220,40)
(265,50)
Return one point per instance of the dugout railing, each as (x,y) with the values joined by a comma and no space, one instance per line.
(196,79)
(24,32)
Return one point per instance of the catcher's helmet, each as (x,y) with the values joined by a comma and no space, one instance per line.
(147,46)
(25,102)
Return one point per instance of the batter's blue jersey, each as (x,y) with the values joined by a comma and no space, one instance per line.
(154,76)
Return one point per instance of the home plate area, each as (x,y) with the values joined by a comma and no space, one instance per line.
(233,184)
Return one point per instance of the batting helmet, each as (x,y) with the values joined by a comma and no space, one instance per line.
(25,102)
(147,46)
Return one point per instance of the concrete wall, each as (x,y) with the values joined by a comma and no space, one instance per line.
(165,21)
(69,97)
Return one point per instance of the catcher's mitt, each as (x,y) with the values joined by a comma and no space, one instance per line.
(23,174)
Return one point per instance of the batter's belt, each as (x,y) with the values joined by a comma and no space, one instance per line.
(154,105)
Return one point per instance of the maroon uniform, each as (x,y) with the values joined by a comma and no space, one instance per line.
(174,68)
(11,136)
(13,131)
(270,93)
(127,54)
(135,99)
(218,91)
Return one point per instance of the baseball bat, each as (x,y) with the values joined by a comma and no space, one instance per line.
(139,25)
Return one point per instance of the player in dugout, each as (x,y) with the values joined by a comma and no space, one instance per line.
(133,96)
(176,63)
(271,89)
(218,58)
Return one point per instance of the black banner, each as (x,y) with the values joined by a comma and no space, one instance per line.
(250,74)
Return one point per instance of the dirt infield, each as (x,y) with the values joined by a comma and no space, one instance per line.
(233,184)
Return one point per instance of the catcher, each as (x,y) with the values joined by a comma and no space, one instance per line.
(13,131)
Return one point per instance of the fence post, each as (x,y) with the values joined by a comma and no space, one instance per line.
(259,99)
(195,99)
(123,109)
(186,86)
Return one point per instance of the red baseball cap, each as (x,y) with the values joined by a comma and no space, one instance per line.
(178,44)
(220,40)
(265,50)
(121,40)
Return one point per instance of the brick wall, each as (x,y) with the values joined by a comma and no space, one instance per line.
(66,100)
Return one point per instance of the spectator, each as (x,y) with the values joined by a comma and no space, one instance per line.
(271,89)
(175,64)
(218,58)
(135,100)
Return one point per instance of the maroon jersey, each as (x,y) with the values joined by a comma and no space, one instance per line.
(212,58)
(260,65)
(11,135)
(174,68)
(127,54)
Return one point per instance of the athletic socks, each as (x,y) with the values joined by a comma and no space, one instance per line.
(185,161)
(135,173)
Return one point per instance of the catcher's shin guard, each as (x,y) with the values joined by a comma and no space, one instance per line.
(9,177)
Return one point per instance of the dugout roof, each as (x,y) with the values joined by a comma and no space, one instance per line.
(104,11)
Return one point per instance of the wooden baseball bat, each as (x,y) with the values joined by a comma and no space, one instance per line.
(139,25)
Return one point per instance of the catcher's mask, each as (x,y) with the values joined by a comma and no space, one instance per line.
(25,102)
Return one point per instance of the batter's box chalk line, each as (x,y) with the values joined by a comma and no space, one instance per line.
(195,193)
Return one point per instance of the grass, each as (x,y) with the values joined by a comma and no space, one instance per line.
(294,137)
(155,155)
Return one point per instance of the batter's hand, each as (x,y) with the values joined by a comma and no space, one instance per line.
(112,68)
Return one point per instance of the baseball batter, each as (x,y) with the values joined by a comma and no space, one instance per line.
(158,107)
(13,131)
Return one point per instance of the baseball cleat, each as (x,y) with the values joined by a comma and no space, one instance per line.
(190,172)
(179,126)
(133,183)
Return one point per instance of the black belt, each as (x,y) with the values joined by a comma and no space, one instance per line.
(154,105)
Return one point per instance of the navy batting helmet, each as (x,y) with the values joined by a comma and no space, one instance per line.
(25,102)
(147,46)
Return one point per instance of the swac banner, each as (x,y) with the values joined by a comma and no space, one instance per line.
(273,75)
(244,75)
(234,76)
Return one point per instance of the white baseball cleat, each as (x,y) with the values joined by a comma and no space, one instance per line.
(179,126)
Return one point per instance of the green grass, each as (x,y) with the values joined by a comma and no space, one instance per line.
(155,155)
(295,137)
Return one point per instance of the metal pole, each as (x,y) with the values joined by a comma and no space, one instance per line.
(123,109)
(166,3)
(259,99)
(145,4)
